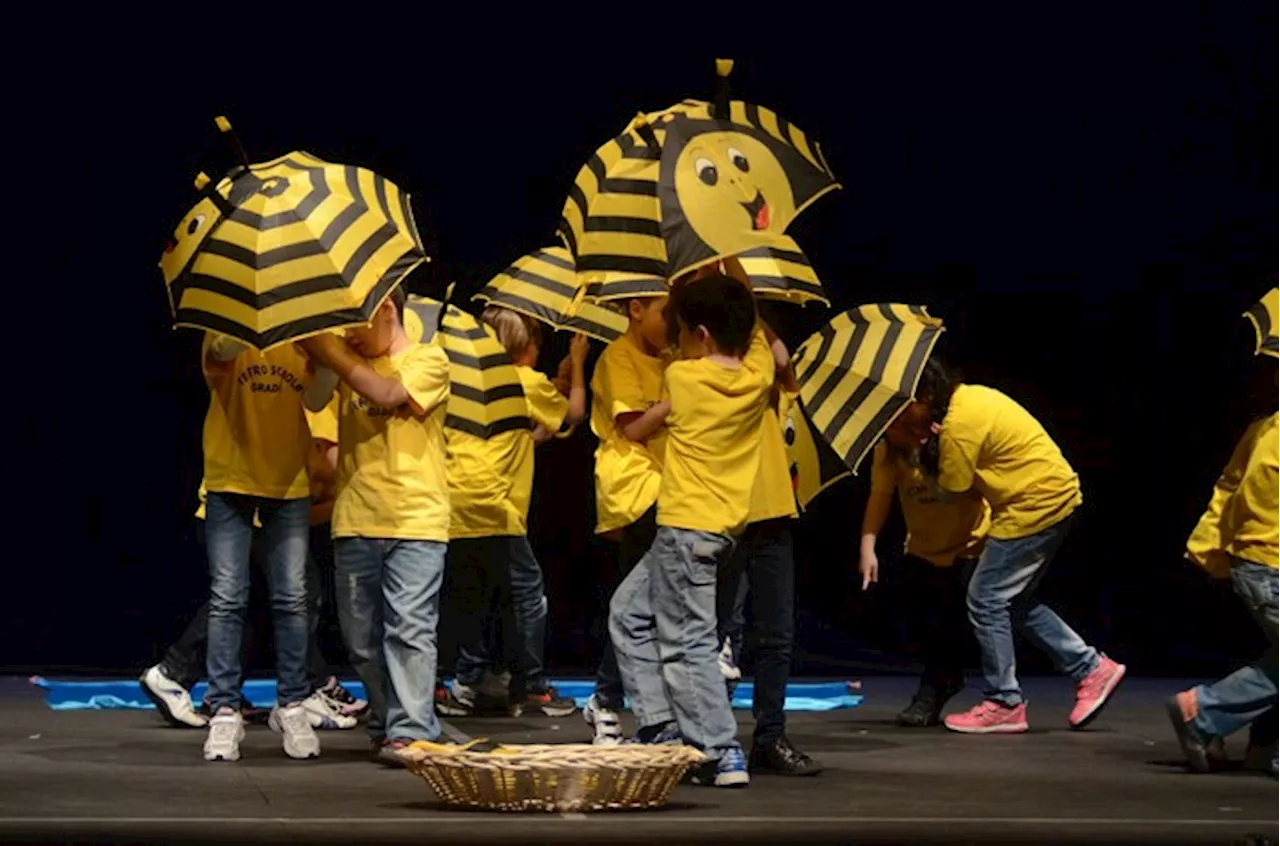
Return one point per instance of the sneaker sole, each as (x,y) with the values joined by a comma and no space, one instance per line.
(166,712)
(563,711)
(1103,699)
(732,780)
(1003,728)
(1195,752)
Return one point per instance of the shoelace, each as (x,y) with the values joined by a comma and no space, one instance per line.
(295,720)
(223,732)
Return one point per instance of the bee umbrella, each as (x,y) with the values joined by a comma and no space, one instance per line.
(814,466)
(545,286)
(858,373)
(1263,315)
(288,248)
(782,272)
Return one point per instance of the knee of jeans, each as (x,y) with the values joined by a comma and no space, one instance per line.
(982,607)
(290,602)
(532,607)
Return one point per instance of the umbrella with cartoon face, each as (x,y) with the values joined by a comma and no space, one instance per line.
(1263,315)
(814,466)
(544,286)
(681,188)
(288,248)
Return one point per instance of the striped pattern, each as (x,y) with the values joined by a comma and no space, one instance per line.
(613,222)
(485,396)
(814,466)
(1265,317)
(859,371)
(545,286)
(290,248)
(782,272)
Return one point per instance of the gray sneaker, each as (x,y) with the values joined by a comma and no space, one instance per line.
(226,730)
(293,722)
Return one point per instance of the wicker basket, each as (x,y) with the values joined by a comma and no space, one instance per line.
(560,778)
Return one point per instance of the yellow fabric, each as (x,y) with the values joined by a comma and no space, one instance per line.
(545,286)
(391,465)
(773,494)
(714,435)
(938,530)
(993,445)
(256,440)
(323,424)
(1241,519)
(628,474)
(490,483)
(547,406)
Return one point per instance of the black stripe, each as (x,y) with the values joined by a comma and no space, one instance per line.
(841,370)
(828,336)
(320,191)
(289,252)
(407,211)
(429,314)
(542,282)
(915,363)
(782,255)
(566,231)
(476,334)
(614,223)
(257,302)
(595,164)
(918,310)
(371,245)
(554,260)
(1265,330)
(632,150)
(352,177)
(579,199)
(590,327)
(871,434)
(483,362)
(624,264)
(535,310)
(380,191)
(508,424)
(753,116)
(631,288)
(639,187)
(778,282)
(784,130)
(484,397)
(891,335)
(844,412)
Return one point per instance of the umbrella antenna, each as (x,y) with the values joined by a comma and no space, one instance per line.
(224,126)
(444,306)
(645,130)
(720,99)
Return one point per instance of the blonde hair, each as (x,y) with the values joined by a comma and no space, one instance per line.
(515,331)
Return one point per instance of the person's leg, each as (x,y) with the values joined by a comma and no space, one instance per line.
(317,667)
(471,598)
(634,543)
(529,605)
(413,572)
(358,582)
(936,605)
(682,594)
(635,643)
(228,536)
(732,588)
(184,660)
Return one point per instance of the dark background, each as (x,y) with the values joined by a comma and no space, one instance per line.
(1089,202)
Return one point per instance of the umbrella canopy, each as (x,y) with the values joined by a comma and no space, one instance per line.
(858,373)
(1265,317)
(782,272)
(485,396)
(278,251)
(814,466)
(679,188)
(544,286)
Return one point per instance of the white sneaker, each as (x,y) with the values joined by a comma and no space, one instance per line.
(294,722)
(728,668)
(326,715)
(171,699)
(607,724)
(226,730)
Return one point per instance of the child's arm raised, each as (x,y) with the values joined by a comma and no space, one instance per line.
(638,426)
(786,374)
(578,348)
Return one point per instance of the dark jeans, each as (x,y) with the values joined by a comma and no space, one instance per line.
(632,545)
(496,582)
(184,660)
(939,624)
(764,560)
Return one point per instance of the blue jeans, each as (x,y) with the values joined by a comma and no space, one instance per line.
(389,605)
(632,545)
(228,537)
(1247,696)
(1002,595)
(485,574)
(662,620)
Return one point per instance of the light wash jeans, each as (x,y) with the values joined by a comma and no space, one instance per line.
(662,620)
(1002,595)
(228,537)
(388,595)
(1247,696)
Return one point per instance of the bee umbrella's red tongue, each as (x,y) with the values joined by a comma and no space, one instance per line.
(762,217)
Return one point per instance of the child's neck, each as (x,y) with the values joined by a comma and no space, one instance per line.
(399,341)
(641,343)
(723,359)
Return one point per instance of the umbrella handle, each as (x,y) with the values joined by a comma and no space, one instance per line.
(444,306)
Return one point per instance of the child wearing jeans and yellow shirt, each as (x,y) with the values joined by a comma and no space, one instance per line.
(987,443)
(391,518)
(662,618)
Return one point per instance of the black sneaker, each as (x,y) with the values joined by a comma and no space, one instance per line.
(921,713)
(343,700)
(779,757)
(547,701)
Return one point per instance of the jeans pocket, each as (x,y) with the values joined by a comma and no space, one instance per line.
(703,559)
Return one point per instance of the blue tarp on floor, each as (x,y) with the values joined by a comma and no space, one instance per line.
(64,695)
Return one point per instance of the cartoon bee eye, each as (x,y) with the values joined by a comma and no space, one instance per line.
(706,171)
(194,226)
(789,432)
(739,160)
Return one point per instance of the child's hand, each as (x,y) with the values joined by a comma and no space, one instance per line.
(578,348)
(565,371)
(869,567)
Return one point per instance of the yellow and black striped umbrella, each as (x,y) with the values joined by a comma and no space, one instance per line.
(679,188)
(485,396)
(782,272)
(858,373)
(814,465)
(1265,317)
(277,251)
(544,286)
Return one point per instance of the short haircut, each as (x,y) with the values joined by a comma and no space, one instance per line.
(515,331)
(720,303)
(398,298)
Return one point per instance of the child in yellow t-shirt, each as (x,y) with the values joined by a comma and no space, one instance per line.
(976,438)
(662,618)
(944,538)
(391,517)
(256,445)
(1239,538)
(627,416)
(487,567)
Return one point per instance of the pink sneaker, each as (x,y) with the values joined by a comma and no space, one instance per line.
(1094,690)
(989,717)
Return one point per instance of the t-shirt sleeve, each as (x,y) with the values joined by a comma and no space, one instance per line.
(547,406)
(957,460)
(424,372)
(759,357)
(324,423)
(620,382)
(883,477)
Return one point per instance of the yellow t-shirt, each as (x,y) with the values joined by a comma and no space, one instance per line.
(490,483)
(714,435)
(323,424)
(773,494)
(255,432)
(391,465)
(993,445)
(1241,519)
(547,406)
(940,528)
(625,380)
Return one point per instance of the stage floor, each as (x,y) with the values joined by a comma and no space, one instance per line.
(123,776)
